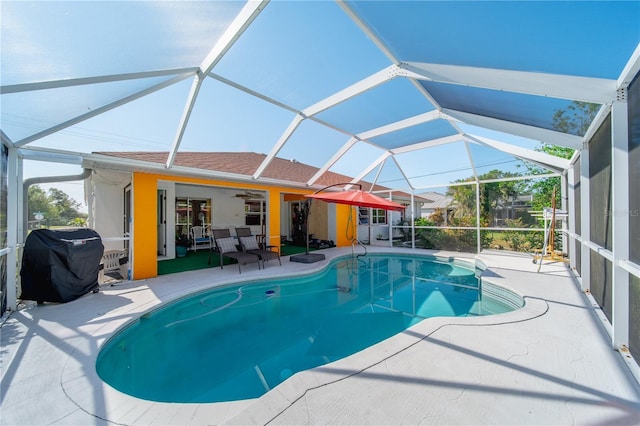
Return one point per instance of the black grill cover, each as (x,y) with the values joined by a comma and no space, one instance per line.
(61,265)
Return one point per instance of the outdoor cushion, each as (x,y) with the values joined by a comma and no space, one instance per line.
(249,243)
(226,245)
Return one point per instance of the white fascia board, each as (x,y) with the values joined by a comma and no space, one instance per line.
(541,158)
(100,110)
(427,144)
(71,82)
(51,156)
(631,69)
(242,21)
(531,132)
(354,90)
(402,124)
(278,146)
(336,156)
(584,89)
(184,120)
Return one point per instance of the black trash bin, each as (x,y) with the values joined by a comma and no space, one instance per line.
(60,265)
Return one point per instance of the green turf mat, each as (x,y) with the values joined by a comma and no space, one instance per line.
(192,261)
(198,260)
(288,250)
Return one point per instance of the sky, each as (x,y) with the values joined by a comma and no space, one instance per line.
(289,57)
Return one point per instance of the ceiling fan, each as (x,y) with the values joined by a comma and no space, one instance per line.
(248,195)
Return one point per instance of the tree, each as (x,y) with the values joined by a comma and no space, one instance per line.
(464,197)
(498,194)
(575,120)
(57,207)
(38,201)
(492,195)
(542,189)
(64,205)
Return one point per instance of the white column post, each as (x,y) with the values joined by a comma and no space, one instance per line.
(13,218)
(585,219)
(571,210)
(413,221)
(620,222)
(390,220)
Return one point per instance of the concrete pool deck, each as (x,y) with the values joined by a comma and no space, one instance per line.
(548,363)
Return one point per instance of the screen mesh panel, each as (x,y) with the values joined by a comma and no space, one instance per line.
(600,185)
(601,282)
(634,216)
(512,211)
(600,210)
(634,316)
(634,169)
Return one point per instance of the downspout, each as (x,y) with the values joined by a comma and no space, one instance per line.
(44,179)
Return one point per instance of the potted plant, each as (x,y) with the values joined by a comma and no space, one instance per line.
(182,244)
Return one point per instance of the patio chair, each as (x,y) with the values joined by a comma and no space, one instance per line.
(249,244)
(199,238)
(226,246)
(113,261)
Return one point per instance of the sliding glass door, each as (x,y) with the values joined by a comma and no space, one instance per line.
(192,212)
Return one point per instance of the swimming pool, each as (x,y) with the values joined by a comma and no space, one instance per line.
(239,341)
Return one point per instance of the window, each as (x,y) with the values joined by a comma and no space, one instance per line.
(363,216)
(255,212)
(183,211)
(378,216)
(192,212)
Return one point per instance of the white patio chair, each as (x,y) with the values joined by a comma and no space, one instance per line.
(200,238)
(114,261)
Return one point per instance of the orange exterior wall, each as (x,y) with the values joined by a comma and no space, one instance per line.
(346,227)
(145,234)
(274,217)
(145,190)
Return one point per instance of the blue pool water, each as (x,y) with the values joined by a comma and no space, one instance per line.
(237,342)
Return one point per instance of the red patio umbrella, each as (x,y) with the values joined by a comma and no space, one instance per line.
(357,198)
(352,198)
